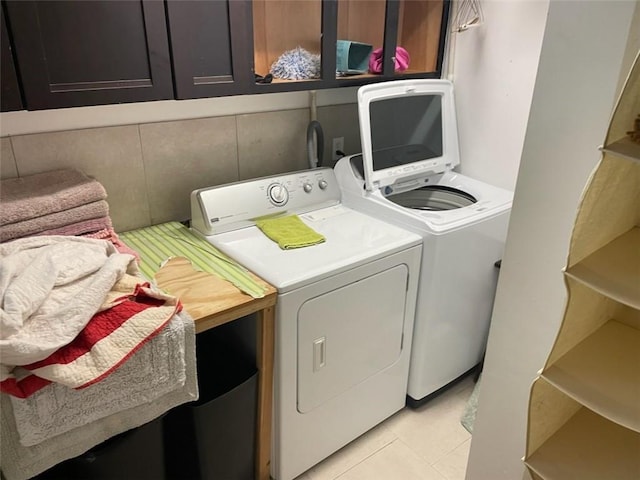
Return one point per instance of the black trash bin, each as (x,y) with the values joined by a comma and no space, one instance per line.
(135,454)
(214,438)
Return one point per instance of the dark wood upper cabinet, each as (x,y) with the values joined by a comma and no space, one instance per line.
(220,47)
(77,53)
(71,53)
(10,96)
(210,47)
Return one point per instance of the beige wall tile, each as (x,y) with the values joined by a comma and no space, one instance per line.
(112,155)
(340,121)
(272,143)
(8,167)
(149,171)
(182,156)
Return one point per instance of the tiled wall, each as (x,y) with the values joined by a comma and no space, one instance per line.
(150,169)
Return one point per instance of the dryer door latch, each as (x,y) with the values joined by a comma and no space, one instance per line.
(319,353)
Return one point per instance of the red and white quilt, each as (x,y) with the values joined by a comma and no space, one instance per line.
(72,311)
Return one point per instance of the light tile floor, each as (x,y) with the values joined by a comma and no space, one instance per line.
(428,443)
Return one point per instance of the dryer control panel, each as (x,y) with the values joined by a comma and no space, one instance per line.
(237,205)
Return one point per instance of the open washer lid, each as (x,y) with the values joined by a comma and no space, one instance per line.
(408,130)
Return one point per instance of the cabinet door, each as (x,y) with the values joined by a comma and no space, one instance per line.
(210,47)
(10,96)
(76,53)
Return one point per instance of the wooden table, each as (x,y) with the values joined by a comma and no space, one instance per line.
(212,301)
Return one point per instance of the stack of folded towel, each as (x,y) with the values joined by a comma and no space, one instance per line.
(59,202)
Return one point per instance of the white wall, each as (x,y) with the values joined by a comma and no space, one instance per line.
(582,53)
(494,70)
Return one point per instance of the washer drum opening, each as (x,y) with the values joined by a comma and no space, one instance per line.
(434,197)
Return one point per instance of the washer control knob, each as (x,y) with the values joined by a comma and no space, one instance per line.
(323,184)
(278,194)
(307,187)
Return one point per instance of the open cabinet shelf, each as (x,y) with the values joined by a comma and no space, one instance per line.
(614,270)
(281,26)
(588,447)
(603,373)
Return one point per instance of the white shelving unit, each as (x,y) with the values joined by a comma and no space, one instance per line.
(584,410)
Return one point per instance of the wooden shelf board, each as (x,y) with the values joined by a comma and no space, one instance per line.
(286,80)
(625,147)
(362,75)
(586,448)
(377,75)
(603,373)
(614,270)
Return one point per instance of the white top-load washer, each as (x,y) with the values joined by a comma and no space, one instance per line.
(344,313)
(405,175)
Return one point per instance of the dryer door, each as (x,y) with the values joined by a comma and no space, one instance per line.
(348,335)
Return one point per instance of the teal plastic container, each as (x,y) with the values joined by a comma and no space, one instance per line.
(352,57)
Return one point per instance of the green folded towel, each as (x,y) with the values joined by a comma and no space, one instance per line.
(289,232)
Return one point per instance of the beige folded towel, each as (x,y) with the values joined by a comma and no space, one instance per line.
(55,220)
(45,193)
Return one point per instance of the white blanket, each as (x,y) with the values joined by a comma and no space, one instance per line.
(50,287)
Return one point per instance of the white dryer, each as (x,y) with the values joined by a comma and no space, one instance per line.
(405,175)
(344,313)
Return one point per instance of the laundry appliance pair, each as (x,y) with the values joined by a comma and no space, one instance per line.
(406,176)
(405,239)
